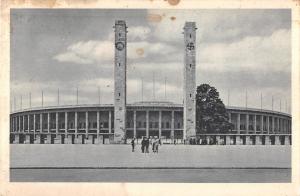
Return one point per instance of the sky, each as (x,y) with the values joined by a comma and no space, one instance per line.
(242,53)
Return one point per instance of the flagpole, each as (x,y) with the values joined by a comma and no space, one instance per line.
(58,96)
(142,89)
(77,95)
(272,103)
(29,99)
(153,86)
(228,98)
(261,100)
(165,88)
(246,99)
(280,105)
(21,103)
(42,98)
(15,105)
(99,94)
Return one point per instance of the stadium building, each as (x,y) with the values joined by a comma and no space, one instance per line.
(118,122)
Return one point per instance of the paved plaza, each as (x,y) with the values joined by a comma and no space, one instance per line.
(169,156)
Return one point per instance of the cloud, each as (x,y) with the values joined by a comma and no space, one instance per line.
(72,57)
(101,52)
(218,25)
(87,52)
(253,53)
(135,33)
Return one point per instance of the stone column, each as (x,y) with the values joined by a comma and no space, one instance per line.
(238,140)
(172,126)
(16,124)
(76,124)
(254,128)
(159,123)
(258,140)
(34,127)
(267,140)
(66,122)
(282,125)
(229,117)
(19,121)
(268,124)
(278,131)
(23,123)
(69,139)
(48,139)
(248,142)
(56,123)
(247,123)
(285,126)
(134,123)
(41,122)
(17,139)
(227,138)
(109,121)
(58,139)
(87,122)
(238,123)
(79,139)
(273,128)
(98,123)
(277,141)
(262,124)
(13,124)
(218,139)
(147,123)
(48,121)
(28,122)
(37,139)
(286,140)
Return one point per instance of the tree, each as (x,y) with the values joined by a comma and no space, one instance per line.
(211,114)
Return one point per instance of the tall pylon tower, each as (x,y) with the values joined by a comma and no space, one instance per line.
(120,80)
(189,83)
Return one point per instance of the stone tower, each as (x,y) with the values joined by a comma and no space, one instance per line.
(120,80)
(189,83)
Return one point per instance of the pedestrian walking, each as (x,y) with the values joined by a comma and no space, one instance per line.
(155,145)
(133,144)
(143,145)
(147,142)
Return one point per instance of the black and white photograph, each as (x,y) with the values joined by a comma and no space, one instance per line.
(151,95)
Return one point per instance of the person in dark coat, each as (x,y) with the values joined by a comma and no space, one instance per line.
(143,145)
(147,142)
(133,144)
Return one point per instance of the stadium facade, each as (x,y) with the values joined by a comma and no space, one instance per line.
(173,123)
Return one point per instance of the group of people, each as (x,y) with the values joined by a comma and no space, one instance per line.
(146,143)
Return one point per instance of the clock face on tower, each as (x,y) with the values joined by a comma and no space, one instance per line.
(190,46)
(119,45)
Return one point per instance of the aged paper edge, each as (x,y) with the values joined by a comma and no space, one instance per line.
(8,188)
